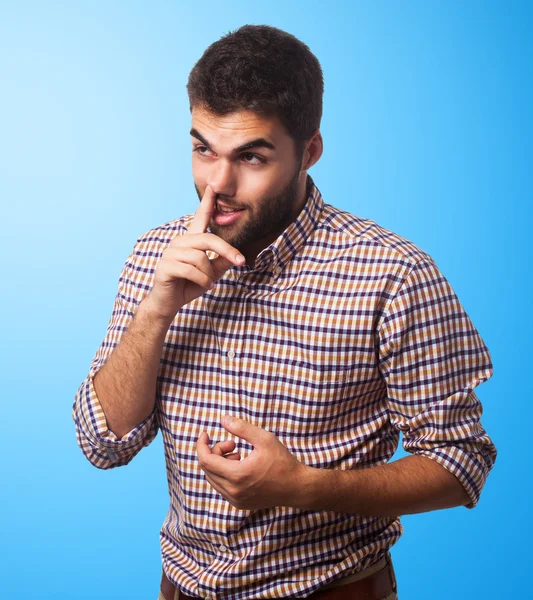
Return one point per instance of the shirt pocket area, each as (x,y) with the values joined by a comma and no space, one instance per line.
(309,401)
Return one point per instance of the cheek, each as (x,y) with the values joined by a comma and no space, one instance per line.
(199,174)
(258,185)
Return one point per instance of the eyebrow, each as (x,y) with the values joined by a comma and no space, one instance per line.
(257,143)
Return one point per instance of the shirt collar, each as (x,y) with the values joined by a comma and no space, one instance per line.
(281,251)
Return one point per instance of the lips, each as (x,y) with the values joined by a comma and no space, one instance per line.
(221,207)
(225,218)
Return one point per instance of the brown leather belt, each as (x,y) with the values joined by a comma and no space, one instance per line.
(377,586)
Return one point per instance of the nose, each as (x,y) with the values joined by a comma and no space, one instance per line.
(222,178)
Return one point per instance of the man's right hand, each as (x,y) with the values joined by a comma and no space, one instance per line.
(184,271)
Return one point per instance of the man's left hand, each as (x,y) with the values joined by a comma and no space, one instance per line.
(269,476)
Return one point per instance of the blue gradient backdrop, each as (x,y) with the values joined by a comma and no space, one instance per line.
(427,128)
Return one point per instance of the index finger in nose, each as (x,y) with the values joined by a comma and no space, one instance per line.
(204,213)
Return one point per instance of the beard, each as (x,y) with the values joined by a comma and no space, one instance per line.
(270,216)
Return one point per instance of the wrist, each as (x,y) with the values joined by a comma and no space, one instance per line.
(146,309)
(311,486)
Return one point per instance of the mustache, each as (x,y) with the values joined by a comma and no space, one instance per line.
(222,198)
(228,204)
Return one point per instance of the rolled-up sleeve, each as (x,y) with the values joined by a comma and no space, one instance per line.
(100,445)
(432,357)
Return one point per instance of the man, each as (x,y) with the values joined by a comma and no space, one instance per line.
(281,345)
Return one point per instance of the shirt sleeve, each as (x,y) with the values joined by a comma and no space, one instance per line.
(100,445)
(432,357)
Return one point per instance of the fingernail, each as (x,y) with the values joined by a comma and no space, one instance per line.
(240,258)
(227,420)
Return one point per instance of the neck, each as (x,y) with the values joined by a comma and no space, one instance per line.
(302,195)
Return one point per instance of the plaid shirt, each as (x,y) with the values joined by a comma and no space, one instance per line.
(341,336)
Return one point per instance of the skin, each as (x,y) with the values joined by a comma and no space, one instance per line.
(270,475)
(273,193)
(126,384)
(268,183)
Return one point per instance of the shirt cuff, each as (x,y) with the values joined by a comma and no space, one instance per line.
(95,426)
(470,468)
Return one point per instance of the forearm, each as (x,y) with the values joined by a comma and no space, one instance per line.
(126,384)
(412,484)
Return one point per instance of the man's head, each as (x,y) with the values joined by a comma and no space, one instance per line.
(257,84)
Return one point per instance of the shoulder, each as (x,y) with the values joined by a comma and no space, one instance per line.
(149,246)
(369,239)
(142,262)
(156,239)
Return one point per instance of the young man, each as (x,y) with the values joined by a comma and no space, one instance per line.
(280,345)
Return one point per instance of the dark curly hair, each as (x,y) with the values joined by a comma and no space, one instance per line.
(265,70)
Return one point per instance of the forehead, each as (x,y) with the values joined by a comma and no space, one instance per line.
(238,126)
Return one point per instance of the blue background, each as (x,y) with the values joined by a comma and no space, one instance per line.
(427,129)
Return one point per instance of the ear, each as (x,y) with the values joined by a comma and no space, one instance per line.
(313,150)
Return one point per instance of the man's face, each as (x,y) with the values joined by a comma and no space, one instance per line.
(250,163)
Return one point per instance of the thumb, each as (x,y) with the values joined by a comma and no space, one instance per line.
(244,429)
(220,265)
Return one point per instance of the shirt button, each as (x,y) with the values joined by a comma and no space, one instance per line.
(231,354)
(111,455)
(223,548)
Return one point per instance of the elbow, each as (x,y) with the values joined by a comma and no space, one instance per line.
(104,459)
(459,495)
(98,456)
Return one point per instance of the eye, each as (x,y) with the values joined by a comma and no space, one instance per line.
(200,150)
(249,157)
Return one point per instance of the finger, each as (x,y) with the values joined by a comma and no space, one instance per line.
(222,448)
(190,256)
(210,241)
(179,270)
(204,213)
(213,463)
(202,447)
(233,456)
(218,486)
(225,453)
(218,482)
(221,264)
(245,430)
